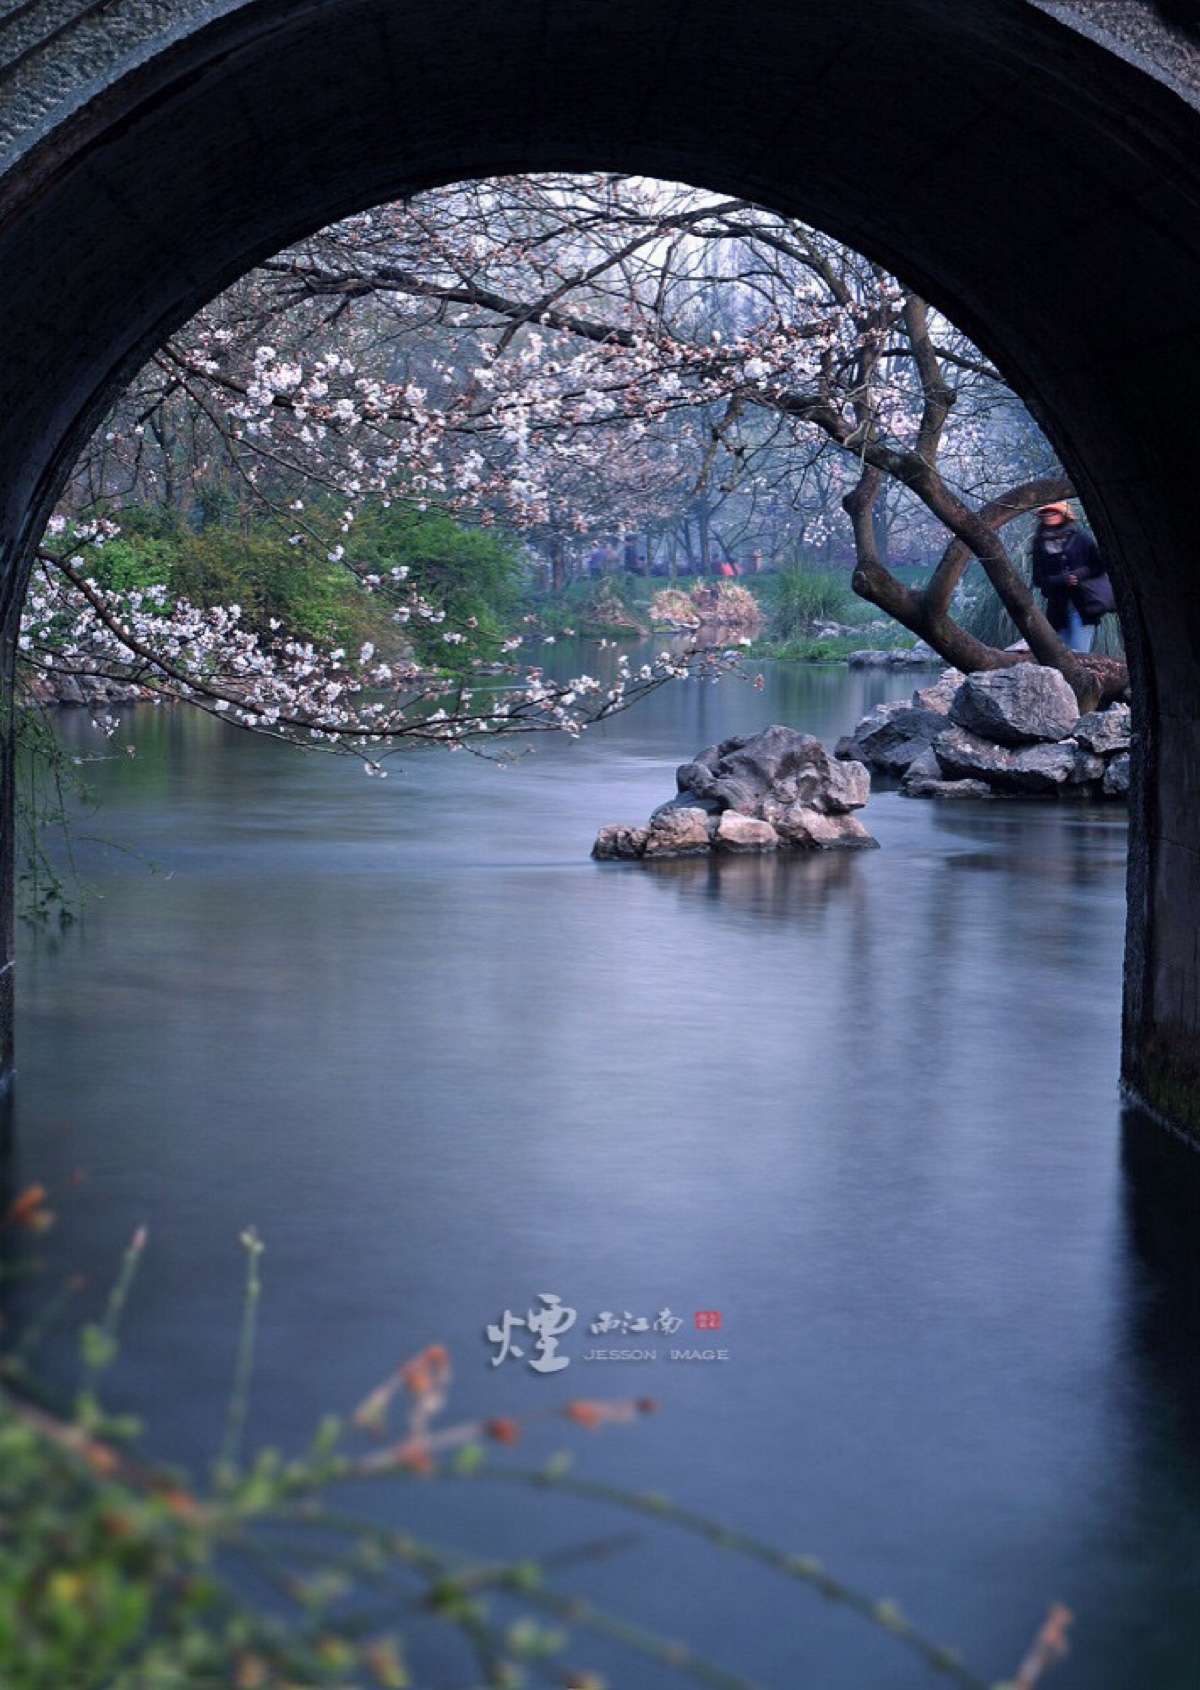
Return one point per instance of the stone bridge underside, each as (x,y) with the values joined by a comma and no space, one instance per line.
(1037,177)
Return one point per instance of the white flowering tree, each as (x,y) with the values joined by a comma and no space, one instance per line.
(563,353)
(352,702)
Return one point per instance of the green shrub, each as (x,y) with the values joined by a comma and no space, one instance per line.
(130,564)
(473,575)
(295,585)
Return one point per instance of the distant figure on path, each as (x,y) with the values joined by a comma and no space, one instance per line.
(1068,570)
(601,562)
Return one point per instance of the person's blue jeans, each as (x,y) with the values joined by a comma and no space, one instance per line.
(1078,634)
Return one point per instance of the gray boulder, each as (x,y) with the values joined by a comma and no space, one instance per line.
(741,792)
(688,801)
(891,736)
(926,767)
(940,695)
(847,786)
(697,775)
(775,788)
(1087,771)
(1116,777)
(1016,730)
(927,788)
(777,766)
(809,829)
(1105,731)
(870,659)
(1024,705)
(963,755)
(69,690)
(919,656)
(695,778)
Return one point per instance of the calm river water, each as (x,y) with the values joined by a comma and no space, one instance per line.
(862,1108)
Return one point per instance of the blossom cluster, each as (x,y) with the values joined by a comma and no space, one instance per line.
(296,690)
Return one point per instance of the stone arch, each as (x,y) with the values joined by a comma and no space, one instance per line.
(1035,180)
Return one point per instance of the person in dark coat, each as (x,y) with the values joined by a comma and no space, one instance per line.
(1068,570)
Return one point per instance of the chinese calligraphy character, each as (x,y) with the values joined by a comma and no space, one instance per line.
(502,1335)
(546,1324)
(607,1322)
(550,1323)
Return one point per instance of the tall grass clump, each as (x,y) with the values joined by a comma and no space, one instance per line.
(799,599)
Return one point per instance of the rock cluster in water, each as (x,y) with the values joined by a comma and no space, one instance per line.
(919,656)
(778,790)
(1015,730)
(90,692)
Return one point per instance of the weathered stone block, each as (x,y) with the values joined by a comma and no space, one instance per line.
(696,777)
(846,786)
(1116,777)
(616,841)
(810,829)
(1087,770)
(688,801)
(892,736)
(940,695)
(744,833)
(924,787)
(678,833)
(1018,706)
(1105,731)
(963,755)
(925,768)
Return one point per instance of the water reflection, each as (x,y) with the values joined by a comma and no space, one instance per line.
(778,887)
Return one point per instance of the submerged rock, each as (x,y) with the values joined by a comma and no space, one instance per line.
(927,788)
(616,841)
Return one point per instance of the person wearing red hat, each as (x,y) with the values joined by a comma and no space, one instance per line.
(1068,570)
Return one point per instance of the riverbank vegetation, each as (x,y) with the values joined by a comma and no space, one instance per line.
(472,577)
